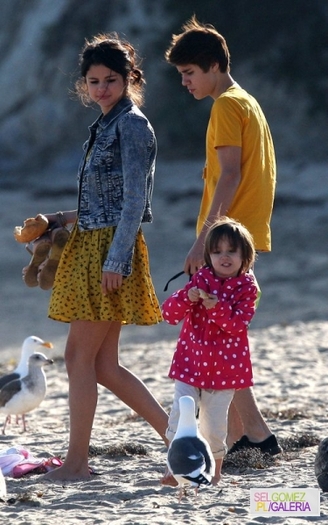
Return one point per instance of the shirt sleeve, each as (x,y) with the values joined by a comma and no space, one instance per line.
(226,122)
(233,316)
(135,159)
(178,306)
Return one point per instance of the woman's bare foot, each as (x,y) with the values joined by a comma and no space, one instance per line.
(63,474)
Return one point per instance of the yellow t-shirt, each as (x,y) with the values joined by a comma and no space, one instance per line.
(238,120)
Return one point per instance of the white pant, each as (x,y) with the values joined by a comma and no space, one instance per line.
(213,408)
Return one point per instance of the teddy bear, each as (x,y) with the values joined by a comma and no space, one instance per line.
(48,241)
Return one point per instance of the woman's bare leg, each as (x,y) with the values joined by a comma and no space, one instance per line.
(126,386)
(83,343)
(92,357)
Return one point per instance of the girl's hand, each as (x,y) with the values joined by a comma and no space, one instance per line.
(193,294)
(203,294)
(210,302)
(111,281)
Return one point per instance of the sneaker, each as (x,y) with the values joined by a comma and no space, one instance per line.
(268,446)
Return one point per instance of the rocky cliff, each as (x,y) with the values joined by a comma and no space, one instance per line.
(40,123)
(42,126)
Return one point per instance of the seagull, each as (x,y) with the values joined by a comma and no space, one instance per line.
(189,456)
(30,345)
(23,395)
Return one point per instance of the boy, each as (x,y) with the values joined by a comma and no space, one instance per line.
(239,180)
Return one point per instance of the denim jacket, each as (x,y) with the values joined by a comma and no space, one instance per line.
(115,180)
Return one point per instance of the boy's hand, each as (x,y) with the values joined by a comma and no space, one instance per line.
(195,258)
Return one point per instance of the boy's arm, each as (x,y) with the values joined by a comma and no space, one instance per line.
(230,162)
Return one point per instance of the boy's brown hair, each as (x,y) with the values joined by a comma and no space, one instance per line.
(199,44)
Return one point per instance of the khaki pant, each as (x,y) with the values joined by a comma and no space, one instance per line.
(213,406)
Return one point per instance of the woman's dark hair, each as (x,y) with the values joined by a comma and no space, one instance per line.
(199,44)
(116,54)
(238,237)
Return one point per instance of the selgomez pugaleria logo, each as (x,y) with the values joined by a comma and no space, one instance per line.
(286,501)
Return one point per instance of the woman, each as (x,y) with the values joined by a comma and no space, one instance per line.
(103,278)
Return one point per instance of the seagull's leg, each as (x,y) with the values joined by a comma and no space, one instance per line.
(24,423)
(7,420)
(182,492)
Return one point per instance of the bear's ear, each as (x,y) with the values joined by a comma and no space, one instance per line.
(32,229)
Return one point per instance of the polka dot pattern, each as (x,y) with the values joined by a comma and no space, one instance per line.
(213,349)
(77,294)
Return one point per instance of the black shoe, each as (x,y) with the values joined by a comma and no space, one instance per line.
(268,446)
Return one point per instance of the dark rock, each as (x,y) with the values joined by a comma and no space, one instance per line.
(321,465)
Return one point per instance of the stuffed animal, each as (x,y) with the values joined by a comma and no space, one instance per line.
(32,229)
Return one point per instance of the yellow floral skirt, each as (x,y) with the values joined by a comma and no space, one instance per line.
(77,295)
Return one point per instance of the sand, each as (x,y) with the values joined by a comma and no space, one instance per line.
(289,343)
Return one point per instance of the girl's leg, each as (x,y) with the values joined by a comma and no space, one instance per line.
(125,385)
(217,475)
(84,340)
(180,389)
(213,424)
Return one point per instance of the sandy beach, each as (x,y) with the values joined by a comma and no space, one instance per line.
(290,367)
(289,344)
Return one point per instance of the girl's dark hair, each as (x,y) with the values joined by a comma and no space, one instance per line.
(199,44)
(238,237)
(116,54)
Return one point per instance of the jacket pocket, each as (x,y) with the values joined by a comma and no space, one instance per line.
(104,151)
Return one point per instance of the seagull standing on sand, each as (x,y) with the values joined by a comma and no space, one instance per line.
(23,395)
(189,457)
(31,345)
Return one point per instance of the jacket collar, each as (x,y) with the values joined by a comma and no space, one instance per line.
(242,277)
(124,105)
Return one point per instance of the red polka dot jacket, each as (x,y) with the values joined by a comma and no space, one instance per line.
(213,350)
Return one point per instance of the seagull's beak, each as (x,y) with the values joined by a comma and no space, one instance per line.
(47,344)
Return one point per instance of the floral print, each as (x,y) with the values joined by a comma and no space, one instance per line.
(77,294)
